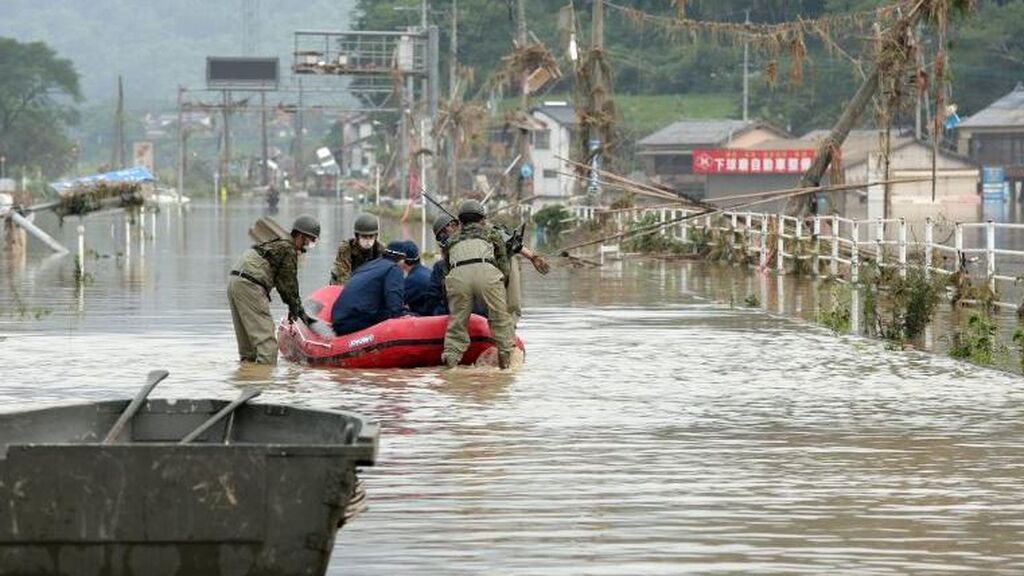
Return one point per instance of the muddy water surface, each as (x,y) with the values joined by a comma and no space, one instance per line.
(651,430)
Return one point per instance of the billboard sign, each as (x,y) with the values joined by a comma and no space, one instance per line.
(242,73)
(741,161)
(142,154)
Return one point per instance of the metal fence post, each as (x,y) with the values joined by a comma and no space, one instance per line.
(958,244)
(127,237)
(990,254)
(780,256)
(903,247)
(928,235)
(833,266)
(816,233)
(764,242)
(855,252)
(879,239)
(81,252)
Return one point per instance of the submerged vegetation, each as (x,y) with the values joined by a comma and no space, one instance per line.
(978,340)
(898,306)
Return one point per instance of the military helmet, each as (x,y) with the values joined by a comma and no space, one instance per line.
(441,222)
(471,207)
(367,224)
(307,225)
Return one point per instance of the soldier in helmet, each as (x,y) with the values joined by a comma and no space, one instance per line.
(358,250)
(266,266)
(478,269)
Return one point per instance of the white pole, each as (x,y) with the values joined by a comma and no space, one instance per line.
(879,238)
(81,252)
(855,253)
(127,237)
(34,230)
(903,247)
(817,245)
(764,244)
(958,240)
(780,257)
(928,234)
(378,184)
(833,266)
(990,254)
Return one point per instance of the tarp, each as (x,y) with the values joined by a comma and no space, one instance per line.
(131,175)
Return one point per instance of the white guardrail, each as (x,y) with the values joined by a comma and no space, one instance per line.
(989,251)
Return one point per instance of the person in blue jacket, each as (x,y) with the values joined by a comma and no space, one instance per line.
(374,293)
(417,281)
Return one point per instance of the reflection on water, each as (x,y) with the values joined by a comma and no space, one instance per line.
(651,430)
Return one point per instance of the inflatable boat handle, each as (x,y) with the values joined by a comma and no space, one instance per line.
(306,340)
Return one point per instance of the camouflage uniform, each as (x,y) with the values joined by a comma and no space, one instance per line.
(263,267)
(479,268)
(351,256)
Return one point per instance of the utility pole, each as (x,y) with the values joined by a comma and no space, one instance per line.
(524,98)
(299,165)
(181,143)
(453,64)
(597,103)
(225,157)
(117,157)
(263,135)
(746,70)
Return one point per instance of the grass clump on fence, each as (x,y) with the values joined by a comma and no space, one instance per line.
(657,242)
(836,317)
(899,307)
(978,340)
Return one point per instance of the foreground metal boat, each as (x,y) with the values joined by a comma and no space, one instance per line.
(261,492)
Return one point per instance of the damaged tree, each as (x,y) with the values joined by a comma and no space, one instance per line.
(897,50)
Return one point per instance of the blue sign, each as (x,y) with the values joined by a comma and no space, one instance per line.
(130,175)
(993,174)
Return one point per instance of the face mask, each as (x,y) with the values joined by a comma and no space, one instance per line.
(366,243)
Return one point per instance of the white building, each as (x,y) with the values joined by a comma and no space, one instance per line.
(552,182)
(357,156)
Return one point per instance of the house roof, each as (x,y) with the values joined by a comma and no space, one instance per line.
(859,144)
(561,113)
(702,132)
(1007,111)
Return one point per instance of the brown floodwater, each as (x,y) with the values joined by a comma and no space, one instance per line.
(653,429)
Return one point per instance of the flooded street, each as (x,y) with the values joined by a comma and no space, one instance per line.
(652,429)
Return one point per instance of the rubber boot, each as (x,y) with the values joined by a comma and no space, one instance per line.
(449,361)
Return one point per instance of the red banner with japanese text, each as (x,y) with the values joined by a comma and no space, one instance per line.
(741,161)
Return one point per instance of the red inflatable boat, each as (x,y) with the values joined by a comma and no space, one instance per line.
(406,342)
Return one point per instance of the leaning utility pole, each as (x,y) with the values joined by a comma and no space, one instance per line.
(897,34)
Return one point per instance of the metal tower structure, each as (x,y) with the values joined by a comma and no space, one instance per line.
(250,27)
